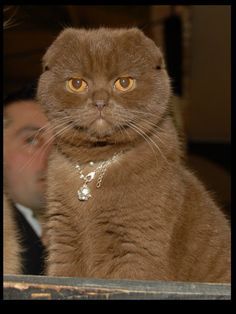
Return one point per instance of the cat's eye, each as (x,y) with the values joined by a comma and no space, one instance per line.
(124,84)
(76,85)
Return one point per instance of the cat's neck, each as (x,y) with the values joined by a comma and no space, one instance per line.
(164,148)
(96,153)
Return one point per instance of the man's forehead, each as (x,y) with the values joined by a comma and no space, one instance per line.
(24,118)
(26,105)
(25,112)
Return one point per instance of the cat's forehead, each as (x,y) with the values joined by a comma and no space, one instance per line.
(106,48)
(105,38)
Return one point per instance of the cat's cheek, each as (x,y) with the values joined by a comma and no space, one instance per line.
(44,87)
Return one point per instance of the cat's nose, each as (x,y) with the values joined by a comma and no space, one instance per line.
(100,104)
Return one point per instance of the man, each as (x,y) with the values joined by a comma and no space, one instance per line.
(27,143)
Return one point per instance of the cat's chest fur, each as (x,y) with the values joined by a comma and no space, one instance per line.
(120,185)
(127,216)
(143,218)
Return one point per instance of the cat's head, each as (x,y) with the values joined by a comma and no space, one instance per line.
(103,85)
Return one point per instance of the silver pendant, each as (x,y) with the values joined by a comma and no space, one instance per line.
(84,193)
(90,176)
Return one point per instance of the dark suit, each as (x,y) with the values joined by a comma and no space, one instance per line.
(33,250)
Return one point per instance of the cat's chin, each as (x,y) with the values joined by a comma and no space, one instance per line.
(100,123)
(100,129)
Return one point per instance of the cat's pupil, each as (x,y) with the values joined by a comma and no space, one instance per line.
(124,82)
(76,83)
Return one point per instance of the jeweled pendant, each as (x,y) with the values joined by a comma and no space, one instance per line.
(84,193)
(89,177)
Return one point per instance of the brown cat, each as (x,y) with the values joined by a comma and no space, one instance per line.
(142,215)
(12,263)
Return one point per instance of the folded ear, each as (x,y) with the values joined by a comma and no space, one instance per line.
(161,63)
(56,48)
(153,49)
(156,54)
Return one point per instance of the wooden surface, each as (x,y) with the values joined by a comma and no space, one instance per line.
(58,288)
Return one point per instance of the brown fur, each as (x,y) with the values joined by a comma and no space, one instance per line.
(152,218)
(12,263)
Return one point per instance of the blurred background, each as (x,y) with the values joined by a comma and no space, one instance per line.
(196,43)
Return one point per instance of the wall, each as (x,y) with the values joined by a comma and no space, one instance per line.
(208,112)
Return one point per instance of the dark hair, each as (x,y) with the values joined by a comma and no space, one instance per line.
(28,92)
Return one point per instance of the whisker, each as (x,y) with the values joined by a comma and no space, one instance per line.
(44,146)
(149,123)
(126,114)
(121,129)
(154,132)
(151,140)
(45,130)
(147,113)
(135,120)
(145,138)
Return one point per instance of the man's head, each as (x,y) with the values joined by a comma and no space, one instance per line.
(26,148)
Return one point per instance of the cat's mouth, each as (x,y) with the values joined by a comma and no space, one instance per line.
(100,132)
(100,128)
(101,144)
(98,123)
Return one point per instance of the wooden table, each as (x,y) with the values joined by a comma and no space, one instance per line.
(60,288)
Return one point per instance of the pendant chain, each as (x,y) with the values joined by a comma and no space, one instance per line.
(90,176)
(102,173)
(84,191)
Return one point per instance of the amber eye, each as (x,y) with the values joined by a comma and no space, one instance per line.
(124,84)
(76,85)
